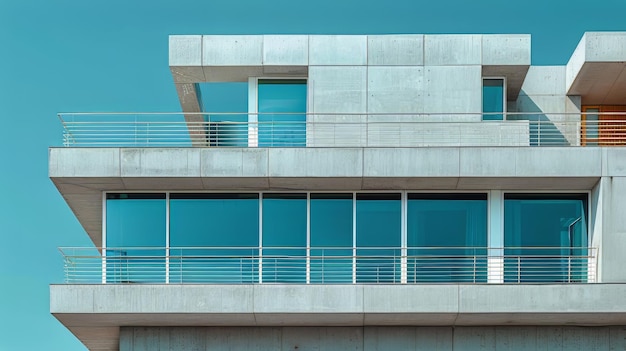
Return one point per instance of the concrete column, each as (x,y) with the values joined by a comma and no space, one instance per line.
(612,204)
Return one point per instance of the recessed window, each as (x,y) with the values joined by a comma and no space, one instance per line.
(545,237)
(331,238)
(447,237)
(494,99)
(284,237)
(135,223)
(221,232)
(282,112)
(378,238)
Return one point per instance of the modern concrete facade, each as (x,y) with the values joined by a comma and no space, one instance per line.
(401,115)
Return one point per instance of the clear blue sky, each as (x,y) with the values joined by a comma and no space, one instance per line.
(80,55)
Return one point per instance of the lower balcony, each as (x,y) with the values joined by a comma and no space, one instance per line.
(96,313)
(332,265)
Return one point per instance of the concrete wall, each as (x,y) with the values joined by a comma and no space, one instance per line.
(612,204)
(350,76)
(414,75)
(543,98)
(373,338)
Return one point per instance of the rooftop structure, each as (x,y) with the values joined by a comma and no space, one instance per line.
(378,192)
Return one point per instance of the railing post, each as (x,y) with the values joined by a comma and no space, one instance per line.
(474,270)
(167,265)
(569,269)
(323,262)
(104,266)
(308,265)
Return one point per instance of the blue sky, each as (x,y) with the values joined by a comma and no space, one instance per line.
(77,55)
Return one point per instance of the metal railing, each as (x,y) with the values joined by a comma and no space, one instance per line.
(345,265)
(341,130)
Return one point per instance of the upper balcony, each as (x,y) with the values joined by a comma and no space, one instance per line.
(332,130)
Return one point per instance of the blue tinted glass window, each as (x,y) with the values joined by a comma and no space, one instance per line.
(545,237)
(284,237)
(378,237)
(493,99)
(214,238)
(282,113)
(135,238)
(331,238)
(447,238)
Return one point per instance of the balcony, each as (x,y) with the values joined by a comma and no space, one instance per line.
(342,130)
(337,265)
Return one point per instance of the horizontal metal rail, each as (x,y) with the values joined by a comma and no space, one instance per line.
(329,265)
(342,130)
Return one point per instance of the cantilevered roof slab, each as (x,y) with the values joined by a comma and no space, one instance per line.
(82,174)
(235,58)
(597,69)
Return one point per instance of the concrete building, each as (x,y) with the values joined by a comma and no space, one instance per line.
(378,192)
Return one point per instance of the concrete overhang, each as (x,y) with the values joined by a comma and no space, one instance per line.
(94,313)
(235,58)
(507,55)
(82,174)
(232,58)
(597,69)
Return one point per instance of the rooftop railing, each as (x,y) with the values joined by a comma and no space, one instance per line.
(342,130)
(336,265)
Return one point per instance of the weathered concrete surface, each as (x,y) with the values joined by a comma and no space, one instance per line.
(597,69)
(374,338)
(107,307)
(82,174)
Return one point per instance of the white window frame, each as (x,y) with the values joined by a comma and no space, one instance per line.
(253,105)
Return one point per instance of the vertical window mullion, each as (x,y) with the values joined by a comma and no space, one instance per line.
(403,239)
(354,238)
(308,237)
(104,237)
(260,271)
(167,237)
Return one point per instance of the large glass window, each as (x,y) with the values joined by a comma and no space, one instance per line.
(378,238)
(214,238)
(331,238)
(284,238)
(545,237)
(282,112)
(325,238)
(493,99)
(447,238)
(135,238)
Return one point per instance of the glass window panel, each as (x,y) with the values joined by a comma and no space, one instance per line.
(331,238)
(378,238)
(135,238)
(214,238)
(447,238)
(282,112)
(493,99)
(284,238)
(545,237)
